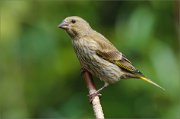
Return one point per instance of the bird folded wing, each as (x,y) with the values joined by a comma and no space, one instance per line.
(117,58)
(108,52)
(109,55)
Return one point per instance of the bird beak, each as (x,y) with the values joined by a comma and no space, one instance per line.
(63,25)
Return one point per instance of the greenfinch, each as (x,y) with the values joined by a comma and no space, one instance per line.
(98,55)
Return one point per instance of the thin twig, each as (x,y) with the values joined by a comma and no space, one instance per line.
(98,112)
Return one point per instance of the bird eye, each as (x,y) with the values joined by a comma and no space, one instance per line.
(73,21)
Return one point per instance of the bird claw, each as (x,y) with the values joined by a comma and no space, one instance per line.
(93,95)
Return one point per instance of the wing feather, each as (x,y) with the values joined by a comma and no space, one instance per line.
(108,52)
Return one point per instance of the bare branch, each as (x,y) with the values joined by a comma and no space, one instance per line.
(98,112)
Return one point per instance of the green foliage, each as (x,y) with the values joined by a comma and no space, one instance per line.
(40,74)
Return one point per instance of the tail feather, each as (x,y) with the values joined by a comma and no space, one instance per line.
(149,81)
(137,72)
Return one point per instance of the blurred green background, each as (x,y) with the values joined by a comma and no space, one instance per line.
(40,74)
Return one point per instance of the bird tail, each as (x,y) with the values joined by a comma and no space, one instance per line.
(149,81)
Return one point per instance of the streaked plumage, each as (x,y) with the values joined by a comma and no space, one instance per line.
(98,55)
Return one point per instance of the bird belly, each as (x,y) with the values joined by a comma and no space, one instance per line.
(105,70)
(89,60)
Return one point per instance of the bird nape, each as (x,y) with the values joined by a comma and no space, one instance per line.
(98,55)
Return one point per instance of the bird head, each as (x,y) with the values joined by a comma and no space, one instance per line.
(75,26)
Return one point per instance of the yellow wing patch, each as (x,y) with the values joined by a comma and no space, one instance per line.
(124,66)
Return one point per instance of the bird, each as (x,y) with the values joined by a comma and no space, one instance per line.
(98,55)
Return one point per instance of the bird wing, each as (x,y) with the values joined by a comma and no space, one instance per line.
(108,52)
(117,58)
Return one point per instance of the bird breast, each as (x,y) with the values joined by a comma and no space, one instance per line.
(89,60)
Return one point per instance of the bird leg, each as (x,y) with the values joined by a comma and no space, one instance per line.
(93,95)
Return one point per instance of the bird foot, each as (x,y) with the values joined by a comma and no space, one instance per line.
(93,95)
